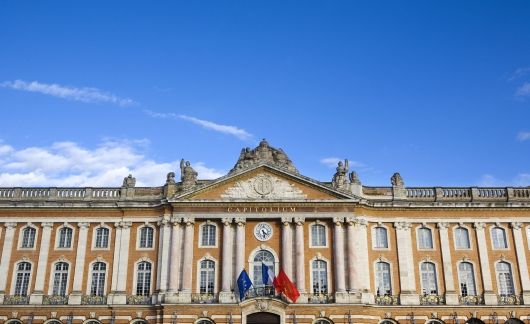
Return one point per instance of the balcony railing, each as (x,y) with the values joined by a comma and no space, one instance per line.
(93,300)
(320,298)
(432,300)
(265,291)
(55,300)
(138,300)
(471,300)
(204,298)
(387,300)
(509,300)
(16,300)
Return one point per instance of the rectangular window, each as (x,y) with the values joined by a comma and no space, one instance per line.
(208,235)
(318,235)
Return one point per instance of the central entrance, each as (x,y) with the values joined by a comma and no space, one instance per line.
(263,318)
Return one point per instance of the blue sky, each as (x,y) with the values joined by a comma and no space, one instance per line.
(91,91)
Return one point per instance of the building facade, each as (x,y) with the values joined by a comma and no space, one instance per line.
(357,254)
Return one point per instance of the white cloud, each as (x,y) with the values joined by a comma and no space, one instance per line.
(69,164)
(488,180)
(332,162)
(225,129)
(520,180)
(523,91)
(523,136)
(520,72)
(84,94)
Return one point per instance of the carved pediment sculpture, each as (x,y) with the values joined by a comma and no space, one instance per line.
(263,186)
(263,153)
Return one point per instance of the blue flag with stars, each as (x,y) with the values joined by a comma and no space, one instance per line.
(243,283)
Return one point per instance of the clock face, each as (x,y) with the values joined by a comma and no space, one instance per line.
(263,231)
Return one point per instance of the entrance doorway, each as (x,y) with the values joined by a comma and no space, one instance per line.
(263,318)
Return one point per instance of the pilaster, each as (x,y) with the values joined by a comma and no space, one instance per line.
(300,258)
(521,261)
(451,297)
(36,296)
(77,293)
(174,261)
(163,256)
(118,294)
(185,292)
(341,295)
(490,297)
(226,296)
(6,255)
(287,246)
(240,246)
(407,279)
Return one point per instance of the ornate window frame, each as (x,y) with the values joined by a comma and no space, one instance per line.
(89,276)
(209,223)
(21,237)
(52,275)
(94,235)
(138,236)
(57,237)
(391,269)
(466,260)
(198,320)
(374,238)
(498,225)
(326,234)
(431,230)
(511,264)
(88,320)
(322,318)
(207,257)
(14,275)
(252,255)
(319,257)
(436,272)
(135,275)
(454,228)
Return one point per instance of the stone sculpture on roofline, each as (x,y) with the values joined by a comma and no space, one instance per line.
(188,175)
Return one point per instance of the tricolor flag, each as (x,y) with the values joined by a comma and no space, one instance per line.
(267,274)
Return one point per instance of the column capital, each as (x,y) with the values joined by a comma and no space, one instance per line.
(226,221)
(83,225)
(286,220)
(362,222)
(9,225)
(164,221)
(402,226)
(351,220)
(299,220)
(338,220)
(443,225)
(189,221)
(47,224)
(240,221)
(516,225)
(175,220)
(125,224)
(479,225)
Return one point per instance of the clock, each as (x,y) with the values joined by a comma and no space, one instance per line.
(263,231)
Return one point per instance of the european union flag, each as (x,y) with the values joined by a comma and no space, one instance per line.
(243,283)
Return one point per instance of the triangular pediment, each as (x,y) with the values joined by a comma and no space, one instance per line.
(264,183)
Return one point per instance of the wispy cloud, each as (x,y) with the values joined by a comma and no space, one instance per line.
(519,180)
(225,129)
(523,136)
(83,94)
(331,162)
(70,164)
(520,72)
(523,91)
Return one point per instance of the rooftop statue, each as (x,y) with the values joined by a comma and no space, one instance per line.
(397,180)
(354,178)
(340,180)
(263,153)
(129,181)
(188,175)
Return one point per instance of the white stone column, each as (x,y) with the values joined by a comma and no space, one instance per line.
(240,246)
(407,277)
(490,298)
(338,248)
(164,235)
(363,261)
(77,288)
(118,294)
(521,261)
(36,297)
(226,296)
(353,266)
(6,256)
(115,262)
(174,261)
(185,293)
(287,246)
(451,297)
(300,259)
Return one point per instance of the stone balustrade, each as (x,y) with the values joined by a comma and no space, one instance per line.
(78,194)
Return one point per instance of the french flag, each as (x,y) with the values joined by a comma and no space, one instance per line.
(267,275)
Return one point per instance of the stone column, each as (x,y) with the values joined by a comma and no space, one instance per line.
(118,294)
(187,265)
(451,296)
(36,297)
(6,256)
(226,295)
(240,246)
(407,277)
(300,259)
(174,261)
(77,289)
(338,249)
(521,261)
(363,262)
(287,246)
(353,274)
(164,235)
(490,298)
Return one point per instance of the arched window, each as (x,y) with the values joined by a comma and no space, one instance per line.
(504,275)
(387,322)
(474,320)
(102,238)
(22,278)
(60,279)
(318,235)
(381,239)
(462,238)
(498,238)
(65,237)
(92,322)
(13,321)
(205,321)
(208,235)
(323,321)
(424,238)
(53,322)
(207,277)
(28,237)
(382,279)
(262,256)
(97,287)
(143,279)
(428,279)
(146,237)
(467,279)
(320,276)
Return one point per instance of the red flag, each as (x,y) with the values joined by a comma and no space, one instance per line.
(284,285)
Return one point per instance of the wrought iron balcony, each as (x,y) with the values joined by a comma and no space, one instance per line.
(138,300)
(55,300)
(320,298)
(16,300)
(387,300)
(204,298)
(471,300)
(509,300)
(93,300)
(432,300)
(265,291)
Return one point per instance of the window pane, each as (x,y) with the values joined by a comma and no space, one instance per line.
(146,237)
(381,240)
(425,238)
(262,256)
(320,277)
(207,279)
(467,279)
(208,235)
(504,273)
(428,279)
(498,237)
(382,279)
(462,238)
(318,235)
